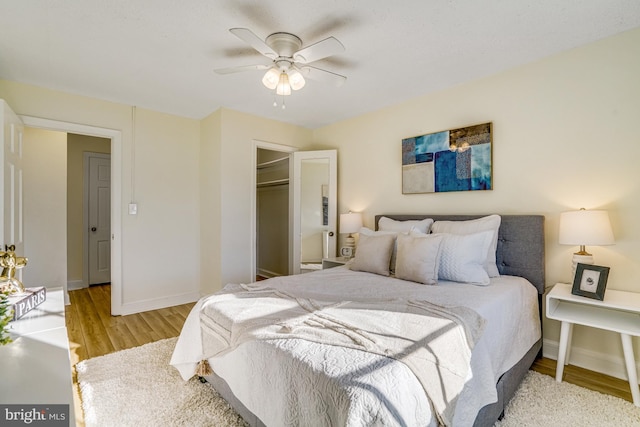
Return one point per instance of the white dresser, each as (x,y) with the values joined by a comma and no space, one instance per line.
(36,367)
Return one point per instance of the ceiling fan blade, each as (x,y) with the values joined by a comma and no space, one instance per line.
(322,49)
(254,41)
(323,76)
(231,70)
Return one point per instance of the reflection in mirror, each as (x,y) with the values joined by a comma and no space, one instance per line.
(314,213)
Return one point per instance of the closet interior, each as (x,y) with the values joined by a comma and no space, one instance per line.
(272,213)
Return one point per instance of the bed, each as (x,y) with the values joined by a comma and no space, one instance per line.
(292,374)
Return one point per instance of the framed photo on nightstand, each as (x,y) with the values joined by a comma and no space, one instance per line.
(590,281)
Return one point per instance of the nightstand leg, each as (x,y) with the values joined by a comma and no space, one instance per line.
(565,330)
(567,355)
(631,367)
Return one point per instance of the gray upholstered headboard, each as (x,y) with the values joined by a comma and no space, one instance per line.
(520,243)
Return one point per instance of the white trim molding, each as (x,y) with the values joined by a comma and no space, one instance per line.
(73,285)
(158,303)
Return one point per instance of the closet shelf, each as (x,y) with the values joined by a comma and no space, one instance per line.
(272,183)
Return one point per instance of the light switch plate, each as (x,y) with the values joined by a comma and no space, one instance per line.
(133,208)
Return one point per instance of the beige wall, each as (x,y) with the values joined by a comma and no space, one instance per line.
(239,131)
(565,137)
(45,208)
(210,209)
(161,241)
(77,145)
(227,185)
(160,246)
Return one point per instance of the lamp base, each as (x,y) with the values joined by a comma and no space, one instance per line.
(582,259)
(350,245)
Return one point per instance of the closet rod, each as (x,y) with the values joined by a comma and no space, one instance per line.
(272,162)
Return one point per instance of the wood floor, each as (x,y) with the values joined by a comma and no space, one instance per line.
(94,332)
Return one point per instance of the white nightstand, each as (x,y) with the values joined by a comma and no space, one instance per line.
(334,262)
(619,312)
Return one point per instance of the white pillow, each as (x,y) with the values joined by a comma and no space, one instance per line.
(388,224)
(418,257)
(364,231)
(373,253)
(487,223)
(462,258)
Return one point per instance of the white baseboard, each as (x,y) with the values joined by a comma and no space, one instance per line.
(73,285)
(158,303)
(588,359)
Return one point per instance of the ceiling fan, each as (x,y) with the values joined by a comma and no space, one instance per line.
(289,60)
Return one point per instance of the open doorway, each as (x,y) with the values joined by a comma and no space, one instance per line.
(88,210)
(59,201)
(272,213)
(114,139)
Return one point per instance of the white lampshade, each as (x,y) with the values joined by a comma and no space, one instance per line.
(585,227)
(581,228)
(296,80)
(350,222)
(283,88)
(271,78)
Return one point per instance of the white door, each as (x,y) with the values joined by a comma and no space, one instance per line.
(99,216)
(313,187)
(11,214)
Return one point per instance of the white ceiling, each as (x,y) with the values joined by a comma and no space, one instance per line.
(160,54)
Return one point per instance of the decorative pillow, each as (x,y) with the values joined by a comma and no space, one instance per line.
(388,224)
(374,253)
(487,223)
(462,258)
(364,231)
(418,257)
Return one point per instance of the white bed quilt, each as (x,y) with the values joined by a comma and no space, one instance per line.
(314,384)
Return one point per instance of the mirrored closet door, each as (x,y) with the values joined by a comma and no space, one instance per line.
(296,206)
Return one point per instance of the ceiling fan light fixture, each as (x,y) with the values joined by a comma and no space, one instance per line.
(283,88)
(296,80)
(271,78)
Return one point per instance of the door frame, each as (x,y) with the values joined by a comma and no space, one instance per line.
(116,192)
(85,211)
(255,145)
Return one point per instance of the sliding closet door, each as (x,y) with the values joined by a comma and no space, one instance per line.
(313,187)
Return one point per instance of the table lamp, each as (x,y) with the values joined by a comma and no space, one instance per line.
(582,228)
(350,223)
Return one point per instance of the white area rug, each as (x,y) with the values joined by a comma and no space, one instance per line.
(137,387)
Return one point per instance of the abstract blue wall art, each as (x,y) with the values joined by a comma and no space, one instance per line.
(453,160)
